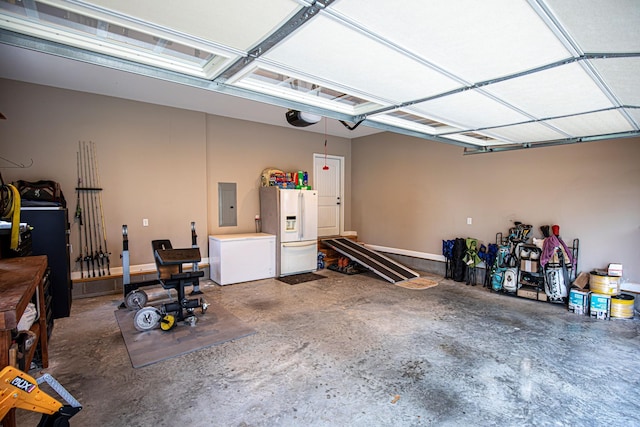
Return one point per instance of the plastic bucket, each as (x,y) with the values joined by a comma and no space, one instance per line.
(622,306)
(599,306)
(579,301)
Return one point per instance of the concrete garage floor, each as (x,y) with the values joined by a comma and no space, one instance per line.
(358,351)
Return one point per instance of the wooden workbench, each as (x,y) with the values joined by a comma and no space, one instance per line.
(20,278)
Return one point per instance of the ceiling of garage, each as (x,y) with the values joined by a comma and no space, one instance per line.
(486,75)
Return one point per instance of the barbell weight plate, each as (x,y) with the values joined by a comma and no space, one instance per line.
(136,299)
(146,318)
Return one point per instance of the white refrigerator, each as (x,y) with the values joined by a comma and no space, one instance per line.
(292,215)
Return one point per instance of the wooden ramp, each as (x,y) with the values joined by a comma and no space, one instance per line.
(384,267)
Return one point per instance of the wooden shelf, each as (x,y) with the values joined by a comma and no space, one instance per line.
(132,274)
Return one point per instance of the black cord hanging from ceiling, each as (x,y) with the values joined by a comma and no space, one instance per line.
(345,124)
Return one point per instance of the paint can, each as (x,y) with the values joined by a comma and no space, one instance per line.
(579,301)
(599,306)
(601,283)
(622,306)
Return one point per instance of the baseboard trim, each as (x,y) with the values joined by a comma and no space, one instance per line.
(405,252)
(630,287)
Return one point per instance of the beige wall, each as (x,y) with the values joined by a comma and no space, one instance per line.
(164,164)
(159,163)
(411,194)
(152,160)
(238,151)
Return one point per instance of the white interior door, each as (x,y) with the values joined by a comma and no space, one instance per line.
(329,182)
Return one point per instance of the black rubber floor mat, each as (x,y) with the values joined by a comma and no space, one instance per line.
(295,279)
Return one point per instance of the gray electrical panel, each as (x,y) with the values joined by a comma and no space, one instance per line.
(227,216)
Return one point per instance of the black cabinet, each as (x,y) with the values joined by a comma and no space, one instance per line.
(50,237)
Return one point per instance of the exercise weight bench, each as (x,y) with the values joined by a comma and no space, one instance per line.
(169,264)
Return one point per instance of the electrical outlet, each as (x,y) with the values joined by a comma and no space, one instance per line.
(469,221)
(145,222)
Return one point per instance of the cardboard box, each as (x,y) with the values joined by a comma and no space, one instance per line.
(600,306)
(615,270)
(579,301)
(542,296)
(581,281)
(527,292)
(530,266)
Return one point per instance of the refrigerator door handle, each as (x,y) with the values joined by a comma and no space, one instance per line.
(301,210)
(300,244)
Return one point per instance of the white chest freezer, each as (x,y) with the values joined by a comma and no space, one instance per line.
(235,258)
